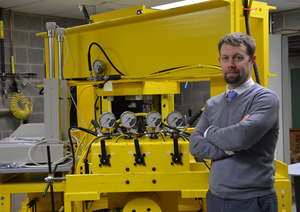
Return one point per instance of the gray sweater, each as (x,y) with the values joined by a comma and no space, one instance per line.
(249,172)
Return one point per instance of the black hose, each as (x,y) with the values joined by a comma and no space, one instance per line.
(89,58)
(86,14)
(87,153)
(246,14)
(95,107)
(84,130)
(70,139)
(170,69)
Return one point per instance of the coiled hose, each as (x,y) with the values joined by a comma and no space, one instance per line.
(20,113)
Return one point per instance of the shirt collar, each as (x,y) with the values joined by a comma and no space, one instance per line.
(240,89)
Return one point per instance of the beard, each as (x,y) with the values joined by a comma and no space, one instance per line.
(232,79)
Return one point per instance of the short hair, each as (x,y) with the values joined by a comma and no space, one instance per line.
(238,38)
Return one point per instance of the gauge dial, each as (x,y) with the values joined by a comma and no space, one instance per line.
(174,119)
(98,66)
(153,119)
(128,119)
(107,120)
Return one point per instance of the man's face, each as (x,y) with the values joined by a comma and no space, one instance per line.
(236,64)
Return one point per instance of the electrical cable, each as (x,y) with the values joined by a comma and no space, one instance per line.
(246,14)
(42,165)
(25,81)
(89,58)
(69,47)
(20,113)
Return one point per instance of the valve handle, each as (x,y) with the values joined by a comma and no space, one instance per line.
(176,157)
(104,158)
(139,158)
(47,187)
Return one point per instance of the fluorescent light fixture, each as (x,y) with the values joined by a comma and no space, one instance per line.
(177,4)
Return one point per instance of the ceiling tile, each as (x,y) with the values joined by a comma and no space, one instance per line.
(10,4)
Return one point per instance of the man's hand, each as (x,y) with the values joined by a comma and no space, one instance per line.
(245,118)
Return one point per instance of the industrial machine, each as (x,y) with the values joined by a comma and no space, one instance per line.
(129,151)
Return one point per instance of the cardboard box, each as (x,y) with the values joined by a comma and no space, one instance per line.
(295,141)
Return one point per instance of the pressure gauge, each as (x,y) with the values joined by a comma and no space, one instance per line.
(98,66)
(174,119)
(153,119)
(128,119)
(107,120)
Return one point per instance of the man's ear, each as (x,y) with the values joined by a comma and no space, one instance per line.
(252,60)
(219,60)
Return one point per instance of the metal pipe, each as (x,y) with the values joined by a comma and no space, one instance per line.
(50,26)
(59,33)
(3,74)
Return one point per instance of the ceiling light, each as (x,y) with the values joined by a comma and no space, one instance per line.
(177,4)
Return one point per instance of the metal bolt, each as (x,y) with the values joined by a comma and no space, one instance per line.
(139,12)
(153,181)
(127,169)
(154,169)
(172,163)
(127,182)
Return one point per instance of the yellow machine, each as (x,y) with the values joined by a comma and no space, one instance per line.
(135,161)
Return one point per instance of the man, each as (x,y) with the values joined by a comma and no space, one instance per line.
(238,131)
